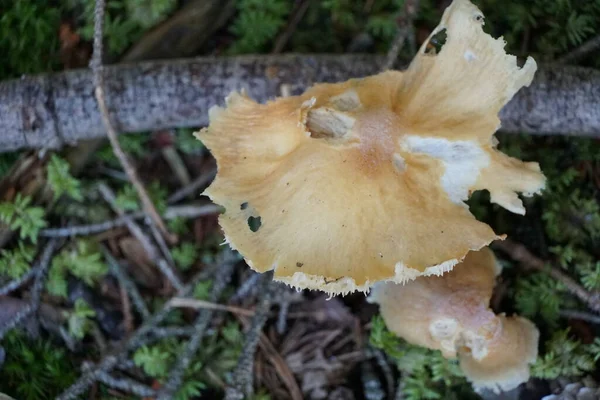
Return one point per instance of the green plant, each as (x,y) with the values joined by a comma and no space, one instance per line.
(79,320)
(125,20)
(35,369)
(60,179)
(81,259)
(185,255)
(539,294)
(154,361)
(202,289)
(186,142)
(178,225)
(20,215)
(257,24)
(16,262)
(426,373)
(545,27)
(29,29)
(566,357)
(148,13)
(6,162)
(128,199)
(134,144)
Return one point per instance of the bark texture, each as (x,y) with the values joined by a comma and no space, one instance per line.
(53,110)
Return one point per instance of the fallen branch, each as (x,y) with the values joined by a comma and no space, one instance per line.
(53,110)
(98,75)
(521,254)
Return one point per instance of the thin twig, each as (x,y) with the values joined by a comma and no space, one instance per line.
(582,51)
(41,269)
(188,211)
(16,283)
(177,165)
(185,358)
(294,20)
(284,307)
(137,339)
(247,287)
(243,374)
(594,319)
(126,384)
(126,281)
(98,74)
(387,371)
(520,253)
(193,187)
(404,31)
(146,243)
(162,245)
(183,302)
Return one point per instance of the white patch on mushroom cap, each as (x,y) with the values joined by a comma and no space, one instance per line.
(469,55)
(463,159)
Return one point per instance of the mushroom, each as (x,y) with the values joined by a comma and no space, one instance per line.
(451,313)
(363,181)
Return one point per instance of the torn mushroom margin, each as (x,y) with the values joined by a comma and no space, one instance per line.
(451,313)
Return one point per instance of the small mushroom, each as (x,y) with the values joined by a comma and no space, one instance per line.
(363,181)
(451,313)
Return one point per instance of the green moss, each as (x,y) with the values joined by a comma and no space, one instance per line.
(35,369)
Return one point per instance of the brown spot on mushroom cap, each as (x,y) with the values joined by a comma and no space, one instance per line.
(379,165)
(451,313)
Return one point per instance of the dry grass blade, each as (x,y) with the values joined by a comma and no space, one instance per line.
(182,302)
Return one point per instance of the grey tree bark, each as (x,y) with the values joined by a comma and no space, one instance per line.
(53,110)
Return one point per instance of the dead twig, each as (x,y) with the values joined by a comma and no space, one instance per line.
(126,385)
(184,360)
(17,283)
(177,165)
(244,371)
(97,70)
(581,315)
(126,282)
(162,245)
(521,254)
(405,28)
(41,269)
(146,243)
(188,211)
(293,22)
(582,51)
(193,187)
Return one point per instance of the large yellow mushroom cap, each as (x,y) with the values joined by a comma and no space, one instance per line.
(451,313)
(363,181)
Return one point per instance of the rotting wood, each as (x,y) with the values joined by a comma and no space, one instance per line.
(53,110)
